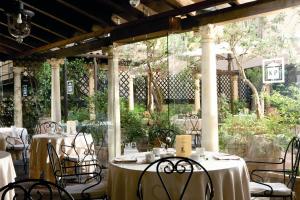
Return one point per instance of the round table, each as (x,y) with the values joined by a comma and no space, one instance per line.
(7,172)
(230,180)
(39,159)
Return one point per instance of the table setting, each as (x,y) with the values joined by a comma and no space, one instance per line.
(229,173)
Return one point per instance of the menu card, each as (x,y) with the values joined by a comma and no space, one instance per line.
(71,127)
(183,145)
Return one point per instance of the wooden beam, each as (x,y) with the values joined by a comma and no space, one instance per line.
(126,27)
(48,30)
(76,50)
(11,42)
(67,41)
(89,15)
(239,12)
(6,50)
(124,10)
(55,18)
(158,26)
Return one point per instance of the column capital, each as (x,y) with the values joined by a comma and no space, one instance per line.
(208,31)
(235,77)
(17,70)
(111,51)
(55,63)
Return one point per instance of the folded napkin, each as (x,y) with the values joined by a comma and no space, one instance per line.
(223,156)
(125,159)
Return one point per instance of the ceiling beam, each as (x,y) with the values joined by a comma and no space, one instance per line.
(158,25)
(55,18)
(76,50)
(67,41)
(239,12)
(49,31)
(124,10)
(127,26)
(13,44)
(79,10)
(6,50)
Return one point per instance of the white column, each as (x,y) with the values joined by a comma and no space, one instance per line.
(210,139)
(235,87)
(114,132)
(92,92)
(18,118)
(197,93)
(55,90)
(131,92)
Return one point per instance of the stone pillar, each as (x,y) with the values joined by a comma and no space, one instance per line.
(114,131)
(210,138)
(92,92)
(235,87)
(131,92)
(55,89)
(18,118)
(197,93)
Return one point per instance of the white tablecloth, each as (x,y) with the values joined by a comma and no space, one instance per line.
(9,131)
(7,172)
(39,159)
(230,181)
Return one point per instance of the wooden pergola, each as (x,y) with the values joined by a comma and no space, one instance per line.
(64,28)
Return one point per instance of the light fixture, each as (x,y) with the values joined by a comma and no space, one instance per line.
(19,21)
(134,3)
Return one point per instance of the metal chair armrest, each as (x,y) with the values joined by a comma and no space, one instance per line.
(265,162)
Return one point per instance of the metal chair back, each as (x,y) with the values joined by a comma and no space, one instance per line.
(55,164)
(177,165)
(48,127)
(292,156)
(31,189)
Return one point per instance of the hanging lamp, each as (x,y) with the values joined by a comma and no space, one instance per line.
(19,21)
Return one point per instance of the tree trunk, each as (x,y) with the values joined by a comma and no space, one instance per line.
(258,109)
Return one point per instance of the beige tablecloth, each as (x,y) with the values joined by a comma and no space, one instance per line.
(230,181)
(39,160)
(7,172)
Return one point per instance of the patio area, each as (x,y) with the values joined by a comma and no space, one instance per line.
(138,99)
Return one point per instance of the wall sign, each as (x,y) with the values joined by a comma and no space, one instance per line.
(25,90)
(70,87)
(273,70)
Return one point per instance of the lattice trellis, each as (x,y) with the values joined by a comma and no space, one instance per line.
(124,84)
(176,88)
(83,86)
(140,89)
(224,85)
(244,91)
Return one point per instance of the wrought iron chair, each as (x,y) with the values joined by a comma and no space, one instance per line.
(166,136)
(73,154)
(31,189)
(166,167)
(48,127)
(92,187)
(192,127)
(19,144)
(259,188)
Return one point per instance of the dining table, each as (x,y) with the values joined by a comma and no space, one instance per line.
(7,172)
(229,175)
(39,165)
